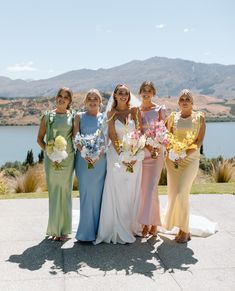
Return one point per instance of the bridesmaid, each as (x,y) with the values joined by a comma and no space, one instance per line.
(90,181)
(59,180)
(149,213)
(180,179)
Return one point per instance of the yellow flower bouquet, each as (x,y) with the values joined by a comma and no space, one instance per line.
(177,149)
(56,150)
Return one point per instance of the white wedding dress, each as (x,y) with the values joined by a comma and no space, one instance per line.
(120,202)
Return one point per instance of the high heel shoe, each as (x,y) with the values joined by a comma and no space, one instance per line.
(153,230)
(184,238)
(145,231)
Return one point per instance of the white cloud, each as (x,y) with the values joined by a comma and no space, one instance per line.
(23,67)
(160,26)
(108,30)
(186,29)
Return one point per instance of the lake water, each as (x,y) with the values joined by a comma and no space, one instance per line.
(15,141)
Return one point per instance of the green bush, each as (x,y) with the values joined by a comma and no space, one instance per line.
(3,185)
(11,172)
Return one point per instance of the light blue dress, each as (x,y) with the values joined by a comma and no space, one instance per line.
(90,183)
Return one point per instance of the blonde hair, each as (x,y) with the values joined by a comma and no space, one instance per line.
(186,92)
(91,92)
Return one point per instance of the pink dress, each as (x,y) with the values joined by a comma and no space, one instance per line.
(149,211)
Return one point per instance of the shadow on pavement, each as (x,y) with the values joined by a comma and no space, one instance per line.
(175,256)
(86,259)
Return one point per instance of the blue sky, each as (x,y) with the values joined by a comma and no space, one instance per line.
(41,39)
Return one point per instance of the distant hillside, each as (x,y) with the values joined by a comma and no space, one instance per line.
(169,76)
(26,111)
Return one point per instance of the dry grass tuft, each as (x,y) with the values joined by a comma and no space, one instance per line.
(224,171)
(32,181)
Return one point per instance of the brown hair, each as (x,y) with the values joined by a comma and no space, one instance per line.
(186,92)
(150,84)
(114,105)
(69,92)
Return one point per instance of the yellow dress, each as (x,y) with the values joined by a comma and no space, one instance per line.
(179,180)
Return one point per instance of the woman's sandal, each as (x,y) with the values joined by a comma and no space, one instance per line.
(57,238)
(64,237)
(145,231)
(184,238)
(178,235)
(153,230)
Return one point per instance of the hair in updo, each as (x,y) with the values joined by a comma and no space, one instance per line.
(186,92)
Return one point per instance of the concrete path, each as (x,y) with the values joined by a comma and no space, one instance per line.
(28,262)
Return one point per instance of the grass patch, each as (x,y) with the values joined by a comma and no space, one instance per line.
(208,188)
(32,195)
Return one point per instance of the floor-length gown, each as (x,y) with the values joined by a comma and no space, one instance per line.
(149,211)
(179,180)
(90,183)
(119,209)
(60,180)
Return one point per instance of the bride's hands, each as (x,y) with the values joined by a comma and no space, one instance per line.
(131,163)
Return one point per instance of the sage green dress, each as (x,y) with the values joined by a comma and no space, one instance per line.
(60,180)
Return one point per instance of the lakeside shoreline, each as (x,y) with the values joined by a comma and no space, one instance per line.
(208,120)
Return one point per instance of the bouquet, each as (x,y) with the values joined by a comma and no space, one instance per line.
(131,147)
(92,145)
(156,136)
(177,149)
(56,150)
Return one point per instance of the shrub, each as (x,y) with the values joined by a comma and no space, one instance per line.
(3,185)
(205,165)
(16,165)
(29,161)
(32,181)
(11,172)
(224,171)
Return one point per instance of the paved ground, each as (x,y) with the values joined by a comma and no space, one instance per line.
(29,262)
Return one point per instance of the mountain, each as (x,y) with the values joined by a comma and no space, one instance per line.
(26,111)
(169,75)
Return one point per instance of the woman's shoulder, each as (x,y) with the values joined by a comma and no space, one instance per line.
(172,114)
(199,115)
(111,114)
(79,114)
(159,107)
(48,114)
(134,109)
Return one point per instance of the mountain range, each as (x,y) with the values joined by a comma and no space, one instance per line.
(169,75)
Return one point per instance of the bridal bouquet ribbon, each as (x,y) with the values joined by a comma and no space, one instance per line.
(131,148)
(156,136)
(56,150)
(93,145)
(177,149)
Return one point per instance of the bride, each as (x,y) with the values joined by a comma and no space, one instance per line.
(118,217)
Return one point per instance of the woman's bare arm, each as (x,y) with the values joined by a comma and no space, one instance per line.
(41,134)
